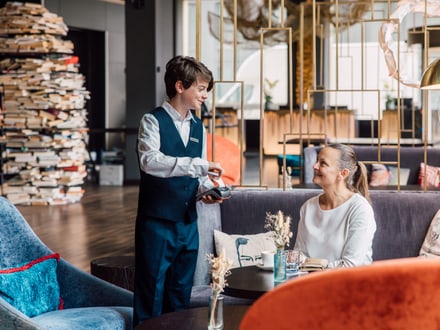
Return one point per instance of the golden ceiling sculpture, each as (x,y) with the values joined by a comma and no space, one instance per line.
(429,8)
(254,14)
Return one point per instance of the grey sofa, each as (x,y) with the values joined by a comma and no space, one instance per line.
(89,302)
(410,157)
(402,218)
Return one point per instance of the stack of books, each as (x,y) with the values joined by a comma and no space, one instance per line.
(43,115)
(32,85)
(44,43)
(22,18)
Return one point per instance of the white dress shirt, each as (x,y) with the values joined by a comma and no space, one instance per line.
(154,162)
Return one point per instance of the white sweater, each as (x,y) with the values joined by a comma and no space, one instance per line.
(343,235)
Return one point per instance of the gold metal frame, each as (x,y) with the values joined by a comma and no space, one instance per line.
(241,125)
(317,25)
(425,92)
(309,92)
(290,73)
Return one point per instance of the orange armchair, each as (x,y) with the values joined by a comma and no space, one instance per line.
(228,154)
(392,294)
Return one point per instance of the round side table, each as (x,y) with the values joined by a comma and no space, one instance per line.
(118,270)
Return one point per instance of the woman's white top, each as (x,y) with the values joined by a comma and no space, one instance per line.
(343,235)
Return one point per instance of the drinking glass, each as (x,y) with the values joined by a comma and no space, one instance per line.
(293,259)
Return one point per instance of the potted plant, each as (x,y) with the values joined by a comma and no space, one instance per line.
(389,100)
(268,97)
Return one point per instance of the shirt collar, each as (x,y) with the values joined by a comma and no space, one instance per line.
(174,114)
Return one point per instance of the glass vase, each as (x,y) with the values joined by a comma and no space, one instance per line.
(279,266)
(215,317)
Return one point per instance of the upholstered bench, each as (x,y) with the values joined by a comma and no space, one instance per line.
(410,160)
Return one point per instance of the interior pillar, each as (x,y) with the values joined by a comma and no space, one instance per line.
(149,30)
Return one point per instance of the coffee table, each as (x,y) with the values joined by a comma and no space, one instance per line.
(251,282)
(194,319)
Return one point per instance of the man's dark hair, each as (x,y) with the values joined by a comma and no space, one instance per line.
(186,69)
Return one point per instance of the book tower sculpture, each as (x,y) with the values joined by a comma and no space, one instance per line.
(43,115)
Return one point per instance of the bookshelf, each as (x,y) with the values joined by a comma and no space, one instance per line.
(43,119)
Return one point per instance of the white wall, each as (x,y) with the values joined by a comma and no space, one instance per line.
(368,73)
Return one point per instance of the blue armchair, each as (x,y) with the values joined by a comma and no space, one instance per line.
(89,302)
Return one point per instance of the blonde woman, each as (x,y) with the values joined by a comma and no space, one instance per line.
(338,224)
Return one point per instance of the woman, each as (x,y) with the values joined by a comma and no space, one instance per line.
(338,225)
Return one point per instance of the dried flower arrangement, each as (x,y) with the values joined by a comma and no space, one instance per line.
(279,224)
(220,269)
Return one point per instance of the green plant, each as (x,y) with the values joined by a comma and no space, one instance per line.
(269,86)
(387,89)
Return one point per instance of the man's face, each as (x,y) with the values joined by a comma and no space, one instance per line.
(196,94)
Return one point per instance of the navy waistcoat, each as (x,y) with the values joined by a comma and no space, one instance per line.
(172,198)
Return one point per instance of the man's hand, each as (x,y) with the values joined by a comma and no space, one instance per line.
(215,169)
(210,200)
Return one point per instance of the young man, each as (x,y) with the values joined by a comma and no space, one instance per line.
(172,159)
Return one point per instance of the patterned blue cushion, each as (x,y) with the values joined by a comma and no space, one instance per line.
(32,287)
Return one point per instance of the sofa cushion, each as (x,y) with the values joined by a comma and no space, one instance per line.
(243,250)
(402,220)
(93,318)
(432,175)
(379,175)
(404,176)
(32,287)
(383,175)
(431,244)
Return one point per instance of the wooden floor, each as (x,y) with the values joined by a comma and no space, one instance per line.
(102,224)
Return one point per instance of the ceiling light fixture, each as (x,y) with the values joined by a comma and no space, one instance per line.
(431,76)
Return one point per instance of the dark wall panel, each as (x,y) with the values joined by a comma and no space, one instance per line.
(149,44)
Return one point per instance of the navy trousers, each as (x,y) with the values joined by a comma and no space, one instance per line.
(165,262)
